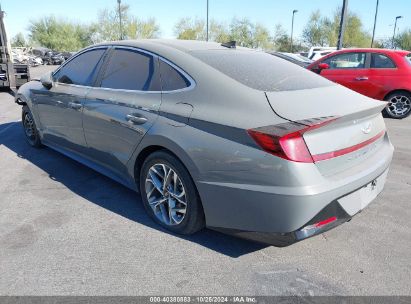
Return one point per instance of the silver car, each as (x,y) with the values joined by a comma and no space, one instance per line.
(215,135)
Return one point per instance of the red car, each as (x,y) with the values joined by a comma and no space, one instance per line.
(376,73)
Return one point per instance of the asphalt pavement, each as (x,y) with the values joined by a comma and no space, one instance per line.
(67,230)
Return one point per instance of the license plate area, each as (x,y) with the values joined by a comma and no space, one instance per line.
(358,200)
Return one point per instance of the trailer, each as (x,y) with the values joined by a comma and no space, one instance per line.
(12,75)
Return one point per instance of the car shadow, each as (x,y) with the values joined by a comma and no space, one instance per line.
(109,194)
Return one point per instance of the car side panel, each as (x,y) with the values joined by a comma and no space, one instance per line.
(111,137)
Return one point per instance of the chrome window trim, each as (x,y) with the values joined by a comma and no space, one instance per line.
(192,82)
(185,74)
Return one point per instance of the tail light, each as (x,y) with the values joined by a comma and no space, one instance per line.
(286,140)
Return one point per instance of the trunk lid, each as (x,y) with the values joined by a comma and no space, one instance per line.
(356,131)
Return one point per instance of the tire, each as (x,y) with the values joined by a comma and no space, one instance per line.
(29,127)
(165,206)
(399,105)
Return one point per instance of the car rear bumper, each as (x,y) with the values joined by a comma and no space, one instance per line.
(289,238)
(276,214)
(339,211)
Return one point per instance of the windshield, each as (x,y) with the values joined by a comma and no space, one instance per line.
(261,71)
(408,58)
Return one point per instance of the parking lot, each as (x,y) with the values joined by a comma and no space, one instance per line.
(67,230)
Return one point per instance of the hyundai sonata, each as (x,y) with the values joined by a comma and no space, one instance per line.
(215,135)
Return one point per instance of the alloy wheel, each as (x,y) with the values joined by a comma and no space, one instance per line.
(29,127)
(166,194)
(399,106)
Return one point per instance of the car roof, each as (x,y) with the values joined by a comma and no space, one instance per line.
(154,45)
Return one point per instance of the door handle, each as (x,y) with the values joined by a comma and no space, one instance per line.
(136,119)
(361,78)
(75,105)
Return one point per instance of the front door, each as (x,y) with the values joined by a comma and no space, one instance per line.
(350,70)
(60,108)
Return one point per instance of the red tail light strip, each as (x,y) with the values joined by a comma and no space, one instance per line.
(328,155)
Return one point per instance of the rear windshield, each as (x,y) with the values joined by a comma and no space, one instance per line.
(261,71)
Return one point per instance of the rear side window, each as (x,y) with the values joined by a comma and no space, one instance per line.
(131,70)
(380,61)
(346,61)
(261,71)
(81,69)
(171,79)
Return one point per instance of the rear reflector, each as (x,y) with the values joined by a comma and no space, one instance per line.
(319,225)
(286,140)
(325,222)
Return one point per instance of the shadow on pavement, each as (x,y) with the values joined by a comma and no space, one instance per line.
(108,194)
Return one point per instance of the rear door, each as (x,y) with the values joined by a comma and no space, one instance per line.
(122,107)
(350,70)
(383,76)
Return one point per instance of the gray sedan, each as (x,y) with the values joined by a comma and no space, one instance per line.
(215,135)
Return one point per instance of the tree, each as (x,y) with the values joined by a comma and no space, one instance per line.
(108,25)
(242,31)
(143,29)
(60,35)
(319,31)
(18,41)
(354,35)
(250,35)
(403,40)
(190,29)
(281,39)
(196,29)
(218,32)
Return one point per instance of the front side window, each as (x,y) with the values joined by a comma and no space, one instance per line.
(171,79)
(131,70)
(380,61)
(81,69)
(347,61)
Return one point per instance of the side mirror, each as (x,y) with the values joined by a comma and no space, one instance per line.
(323,66)
(47,81)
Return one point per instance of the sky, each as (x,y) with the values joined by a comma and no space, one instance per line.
(168,12)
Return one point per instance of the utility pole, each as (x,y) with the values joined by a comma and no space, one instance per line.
(292,30)
(207,19)
(120,19)
(395,28)
(342,24)
(375,24)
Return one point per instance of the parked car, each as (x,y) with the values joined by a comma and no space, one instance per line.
(213,135)
(67,55)
(318,52)
(294,58)
(48,56)
(53,58)
(376,73)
